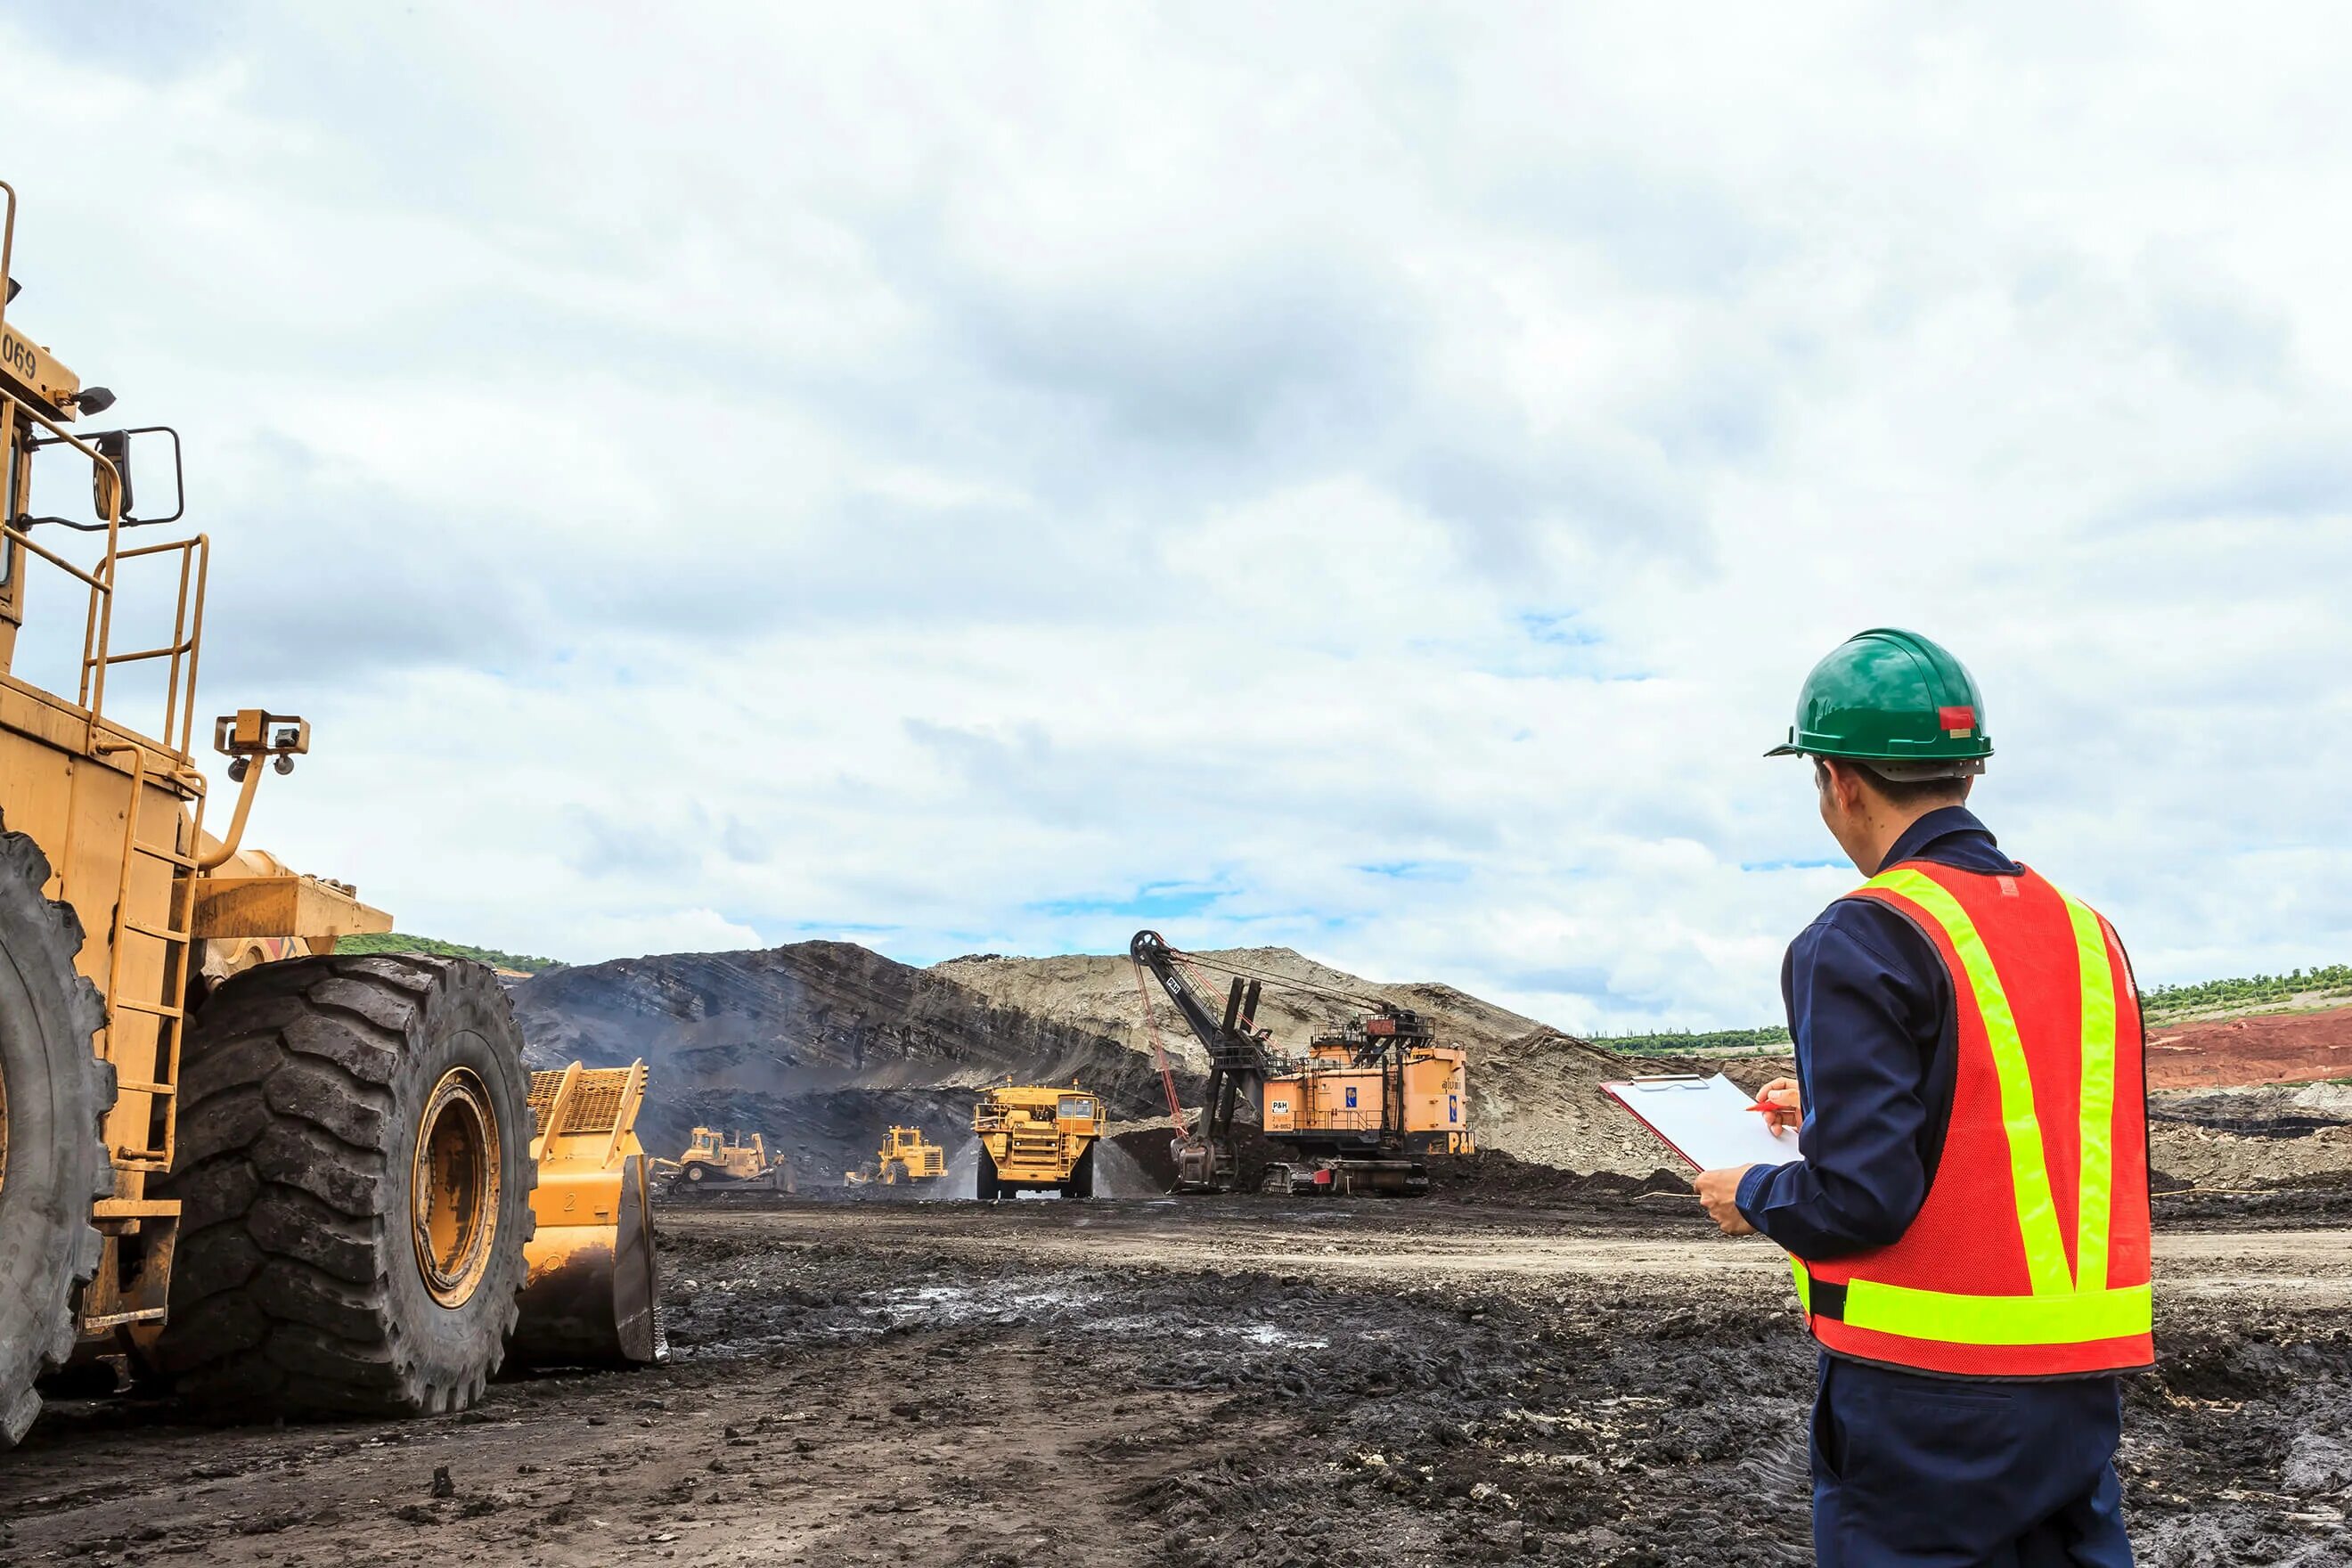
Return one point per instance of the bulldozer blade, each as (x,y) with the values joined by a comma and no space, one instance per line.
(594,1297)
(595,1289)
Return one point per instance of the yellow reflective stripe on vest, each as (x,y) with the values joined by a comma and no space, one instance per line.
(2095,1197)
(1804,1285)
(2068,1320)
(2028,1164)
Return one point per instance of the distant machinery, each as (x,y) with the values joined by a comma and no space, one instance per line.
(907,1158)
(1361,1111)
(716,1162)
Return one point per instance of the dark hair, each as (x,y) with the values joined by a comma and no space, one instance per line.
(1902,792)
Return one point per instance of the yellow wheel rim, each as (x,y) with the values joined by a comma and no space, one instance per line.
(453,1191)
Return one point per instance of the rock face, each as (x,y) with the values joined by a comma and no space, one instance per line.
(819,1045)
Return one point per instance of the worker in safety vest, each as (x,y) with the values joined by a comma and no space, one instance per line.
(1967,1220)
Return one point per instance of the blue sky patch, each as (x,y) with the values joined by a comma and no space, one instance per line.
(1419,870)
(1160,901)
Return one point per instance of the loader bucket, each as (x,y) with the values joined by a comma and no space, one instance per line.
(594,1292)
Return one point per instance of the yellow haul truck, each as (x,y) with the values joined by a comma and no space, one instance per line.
(1036,1138)
(295,1181)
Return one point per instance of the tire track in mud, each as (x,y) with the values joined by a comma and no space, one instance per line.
(1526,1403)
(1247,1385)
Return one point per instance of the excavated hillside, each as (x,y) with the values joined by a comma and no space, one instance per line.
(821,1045)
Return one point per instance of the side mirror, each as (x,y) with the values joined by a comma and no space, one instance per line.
(114,446)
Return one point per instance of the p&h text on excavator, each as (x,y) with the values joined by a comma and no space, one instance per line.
(293,1182)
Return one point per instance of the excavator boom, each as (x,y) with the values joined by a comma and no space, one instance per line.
(1206,1158)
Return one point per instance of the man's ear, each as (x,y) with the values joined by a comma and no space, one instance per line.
(1845,785)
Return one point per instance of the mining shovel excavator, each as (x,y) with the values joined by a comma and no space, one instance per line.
(295,1181)
(1360,1112)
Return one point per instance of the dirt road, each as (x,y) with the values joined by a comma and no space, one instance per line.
(1236,1380)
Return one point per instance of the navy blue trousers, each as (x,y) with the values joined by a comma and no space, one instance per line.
(1963,1474)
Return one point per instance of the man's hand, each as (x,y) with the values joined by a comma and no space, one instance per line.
(1787,1110)
(1719,1191)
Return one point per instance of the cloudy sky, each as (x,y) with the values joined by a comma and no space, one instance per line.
(1359,478)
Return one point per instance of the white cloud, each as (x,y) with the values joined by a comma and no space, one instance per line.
(1364,477)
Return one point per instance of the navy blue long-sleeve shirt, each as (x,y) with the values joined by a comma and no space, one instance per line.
(1871,1008)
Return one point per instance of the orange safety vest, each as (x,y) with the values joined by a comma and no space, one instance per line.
(2030,1257)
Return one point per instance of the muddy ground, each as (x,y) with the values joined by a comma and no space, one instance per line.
(1228,1381)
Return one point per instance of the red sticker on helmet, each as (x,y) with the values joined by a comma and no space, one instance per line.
(1958,721)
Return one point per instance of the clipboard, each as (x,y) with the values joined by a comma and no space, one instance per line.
(1711,1122)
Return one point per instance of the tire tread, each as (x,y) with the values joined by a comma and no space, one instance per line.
(279,1302)
(53,943)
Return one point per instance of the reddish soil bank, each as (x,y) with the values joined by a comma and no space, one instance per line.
(2271,1048)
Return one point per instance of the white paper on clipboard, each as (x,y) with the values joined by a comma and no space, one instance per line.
(1711,1121)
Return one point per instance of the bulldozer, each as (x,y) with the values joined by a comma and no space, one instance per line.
(716,1162)
(906,1156)
(1036,1138)
(291,1181)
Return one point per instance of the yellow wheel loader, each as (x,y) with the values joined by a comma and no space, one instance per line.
(905,1157)
(295,1181)
(1036,1138)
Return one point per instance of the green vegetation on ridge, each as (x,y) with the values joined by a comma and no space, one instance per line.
(1686,1043)
(433,947)
(2325,979)
(2250,990)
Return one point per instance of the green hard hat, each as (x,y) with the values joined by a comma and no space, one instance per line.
(1896,701)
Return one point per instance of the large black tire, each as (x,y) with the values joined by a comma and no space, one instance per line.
(300,1287)
(1081,1184)
(53,1096)
(989,1189)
